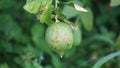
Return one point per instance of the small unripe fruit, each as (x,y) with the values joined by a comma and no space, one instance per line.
(59,37)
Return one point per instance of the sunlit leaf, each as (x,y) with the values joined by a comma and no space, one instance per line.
(115,3)
(34,6)
(79,8)
(76,6)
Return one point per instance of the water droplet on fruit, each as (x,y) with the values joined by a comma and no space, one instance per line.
(61,55)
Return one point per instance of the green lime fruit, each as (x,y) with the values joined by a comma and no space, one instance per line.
(59,37)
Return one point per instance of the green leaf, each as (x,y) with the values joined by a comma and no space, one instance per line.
(55,61)
(4,65)
(6,4)
(77,35)
(34,6)
(69,12)
(45,17)
(36,64)
(87,19)
(118,43)
(37,30)
(105,59)
(19,61)
(102,38)
(115,3)
(10,27)
(27,64)
(15,31)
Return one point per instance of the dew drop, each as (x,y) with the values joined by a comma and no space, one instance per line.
(61,55)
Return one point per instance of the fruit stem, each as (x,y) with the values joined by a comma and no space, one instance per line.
(74,26)
(56,5)
(56,18)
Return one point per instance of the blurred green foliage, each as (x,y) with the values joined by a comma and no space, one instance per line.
(22,42)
